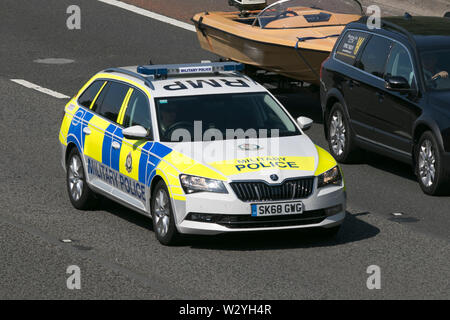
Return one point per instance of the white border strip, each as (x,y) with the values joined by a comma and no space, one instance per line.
(150,14)
(40,89)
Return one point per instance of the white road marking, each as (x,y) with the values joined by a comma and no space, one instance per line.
(150,14)
(40,89)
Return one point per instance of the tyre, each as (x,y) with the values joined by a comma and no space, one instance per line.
(340,136)
(80,195)
(430,169)
(163,217)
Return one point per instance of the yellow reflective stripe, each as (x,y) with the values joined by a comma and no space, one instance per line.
(177,191)
(124,106)
(326,161)
(254,164)
(203,171)
(65,126)
(178,160)
(93,143)
(133,149)
(96,96)
(177,197)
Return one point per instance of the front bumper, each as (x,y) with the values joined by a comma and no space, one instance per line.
(230,214)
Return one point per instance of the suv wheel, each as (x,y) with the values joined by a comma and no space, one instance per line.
(162,214)
(340,139)
(429,167)
(80,195)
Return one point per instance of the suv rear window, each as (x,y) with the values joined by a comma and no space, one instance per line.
(374,57)
(350,45)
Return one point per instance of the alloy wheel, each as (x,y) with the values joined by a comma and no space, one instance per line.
(427,163)
(337,133)
(76,178)
(162,212)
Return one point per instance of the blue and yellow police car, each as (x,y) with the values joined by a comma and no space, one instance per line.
(201,149)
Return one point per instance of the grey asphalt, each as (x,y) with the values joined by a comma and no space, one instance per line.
(116,249)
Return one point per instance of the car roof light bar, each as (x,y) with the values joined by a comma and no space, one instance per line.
(189,68)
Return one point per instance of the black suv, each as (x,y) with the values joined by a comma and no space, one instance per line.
(388,90)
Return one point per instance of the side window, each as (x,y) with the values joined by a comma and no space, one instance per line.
(373,59)
(89,94)
(110,106)
(100,98)
(350,46)
(399,64)
(138,111)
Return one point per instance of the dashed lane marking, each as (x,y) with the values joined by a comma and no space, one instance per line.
(150,14)
(40,89)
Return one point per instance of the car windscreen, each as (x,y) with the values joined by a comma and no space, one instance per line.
(222,116)
(436,69)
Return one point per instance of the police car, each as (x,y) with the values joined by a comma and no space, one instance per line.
(201,148)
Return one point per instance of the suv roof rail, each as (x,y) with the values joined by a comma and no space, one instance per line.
(146,80)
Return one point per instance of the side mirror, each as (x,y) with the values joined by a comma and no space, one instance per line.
(399,84)
(304,123)
(135,133)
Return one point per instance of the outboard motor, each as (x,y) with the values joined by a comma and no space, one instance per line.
(246,5)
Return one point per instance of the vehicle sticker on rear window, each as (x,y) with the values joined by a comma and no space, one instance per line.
(350,46)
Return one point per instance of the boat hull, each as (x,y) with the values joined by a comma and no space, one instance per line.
(300,64)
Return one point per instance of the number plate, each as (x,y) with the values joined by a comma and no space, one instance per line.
(277,209)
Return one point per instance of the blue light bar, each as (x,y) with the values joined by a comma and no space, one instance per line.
(189,68)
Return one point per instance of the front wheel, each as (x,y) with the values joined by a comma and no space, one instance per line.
(163,217)
(340,139)
(429,166)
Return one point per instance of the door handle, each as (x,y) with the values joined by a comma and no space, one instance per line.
(87,131)
(115,145)
(352,83)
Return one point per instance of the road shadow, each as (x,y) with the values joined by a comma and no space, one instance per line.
(305,103)
(352,230)
(387,164)
(124,213)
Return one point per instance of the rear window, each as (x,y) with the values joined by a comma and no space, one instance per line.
(89,94)
(373,59)
(350,46)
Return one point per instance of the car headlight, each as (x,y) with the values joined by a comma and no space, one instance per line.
(330,177)
(193,184)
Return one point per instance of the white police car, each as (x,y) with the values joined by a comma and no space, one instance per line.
(200,148)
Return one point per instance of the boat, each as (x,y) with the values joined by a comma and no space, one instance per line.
(289,37)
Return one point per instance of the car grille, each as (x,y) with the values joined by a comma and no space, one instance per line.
(239,221)
(261,191)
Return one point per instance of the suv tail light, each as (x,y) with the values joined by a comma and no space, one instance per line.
(321,66)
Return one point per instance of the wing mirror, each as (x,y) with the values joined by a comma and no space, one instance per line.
(135,133)
(397,83)
(304,123)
